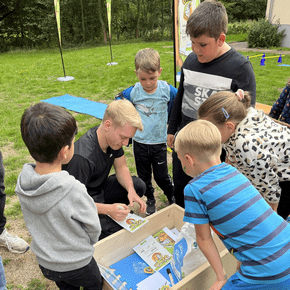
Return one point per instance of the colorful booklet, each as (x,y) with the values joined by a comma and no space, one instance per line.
(153,253)
(132,222)
(131,270)
(166,238)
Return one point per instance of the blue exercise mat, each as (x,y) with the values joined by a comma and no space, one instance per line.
(79,105)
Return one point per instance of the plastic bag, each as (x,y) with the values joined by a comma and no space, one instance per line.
(186,256)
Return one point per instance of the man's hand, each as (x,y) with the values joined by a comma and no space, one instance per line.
(118,211)
(170,140)
(133,196)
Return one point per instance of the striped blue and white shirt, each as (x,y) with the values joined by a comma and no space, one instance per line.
(248,227)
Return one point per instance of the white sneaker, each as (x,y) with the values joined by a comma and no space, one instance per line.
(13,243)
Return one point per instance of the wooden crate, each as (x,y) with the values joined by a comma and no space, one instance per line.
(120,245)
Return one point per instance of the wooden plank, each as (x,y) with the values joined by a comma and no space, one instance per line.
(265,108)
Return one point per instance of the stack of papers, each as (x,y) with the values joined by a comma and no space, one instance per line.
(142,269)
(155,281)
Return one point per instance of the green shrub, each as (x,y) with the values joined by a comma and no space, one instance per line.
(264,34)
(239,27)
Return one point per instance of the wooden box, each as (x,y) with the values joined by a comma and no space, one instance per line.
(120,245)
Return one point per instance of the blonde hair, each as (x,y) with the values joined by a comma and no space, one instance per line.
(121,112)
(201,139)
(208,18)
(225,106)
(147,60)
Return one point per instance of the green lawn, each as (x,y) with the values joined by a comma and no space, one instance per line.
(28,77)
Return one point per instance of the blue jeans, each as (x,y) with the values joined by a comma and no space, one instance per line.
(88,277)
(235,283)
(2,276)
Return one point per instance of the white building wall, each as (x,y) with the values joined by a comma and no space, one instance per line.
(279,11)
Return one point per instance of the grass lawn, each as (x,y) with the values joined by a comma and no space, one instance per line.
(28,77)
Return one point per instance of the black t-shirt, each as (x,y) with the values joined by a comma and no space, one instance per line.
(229,72)
(90,165)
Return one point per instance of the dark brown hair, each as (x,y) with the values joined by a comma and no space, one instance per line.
(46,129)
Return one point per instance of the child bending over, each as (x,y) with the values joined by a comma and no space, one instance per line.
(255,144)
(221,198)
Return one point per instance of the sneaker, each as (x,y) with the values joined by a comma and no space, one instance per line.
(171,199)
(150,206)
(13,243)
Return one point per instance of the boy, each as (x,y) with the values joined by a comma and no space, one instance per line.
(221,198)
(151,98)
(59,214)
(211,67)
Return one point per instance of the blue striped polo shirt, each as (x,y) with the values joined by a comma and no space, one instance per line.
(243,220)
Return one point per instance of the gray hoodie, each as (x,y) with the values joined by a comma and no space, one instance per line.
(61,218)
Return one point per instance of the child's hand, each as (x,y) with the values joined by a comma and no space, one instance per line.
(218,284)
(170,140)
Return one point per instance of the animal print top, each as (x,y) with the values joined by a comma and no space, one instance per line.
(260,148)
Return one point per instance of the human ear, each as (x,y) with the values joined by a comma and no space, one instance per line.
(159,73)
(63,152)
(231,126)
(107,124)
(221,39)
(189,159)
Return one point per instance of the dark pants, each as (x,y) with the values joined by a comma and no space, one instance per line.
(153,157)
(284,204)
(88,277)
(116,193)
(2,195)
(181,179)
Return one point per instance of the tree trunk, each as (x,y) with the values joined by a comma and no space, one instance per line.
(102,22)
(83,21)
(138,19)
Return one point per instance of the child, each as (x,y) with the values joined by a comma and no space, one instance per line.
(212,66)
(13,243)
(255,144)
(151,98)
(281,108)
(59,214)
(221,198)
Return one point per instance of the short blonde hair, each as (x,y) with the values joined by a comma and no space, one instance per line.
(224,106)
(121,112)
(147,60)
(199,138)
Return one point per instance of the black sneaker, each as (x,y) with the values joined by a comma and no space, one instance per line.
(150,206)
(171,199)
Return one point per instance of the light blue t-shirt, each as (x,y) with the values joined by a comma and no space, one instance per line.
(153,111)
(248,227)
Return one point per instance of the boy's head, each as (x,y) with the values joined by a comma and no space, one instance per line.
(147,68)
(209,18)
(200,140)
(46,129)
(207,27)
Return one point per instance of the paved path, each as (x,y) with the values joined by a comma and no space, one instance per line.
(243,46)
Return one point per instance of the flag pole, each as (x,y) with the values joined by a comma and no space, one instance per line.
(57,16)
(109,2)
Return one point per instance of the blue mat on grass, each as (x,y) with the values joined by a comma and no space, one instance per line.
(79,105)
